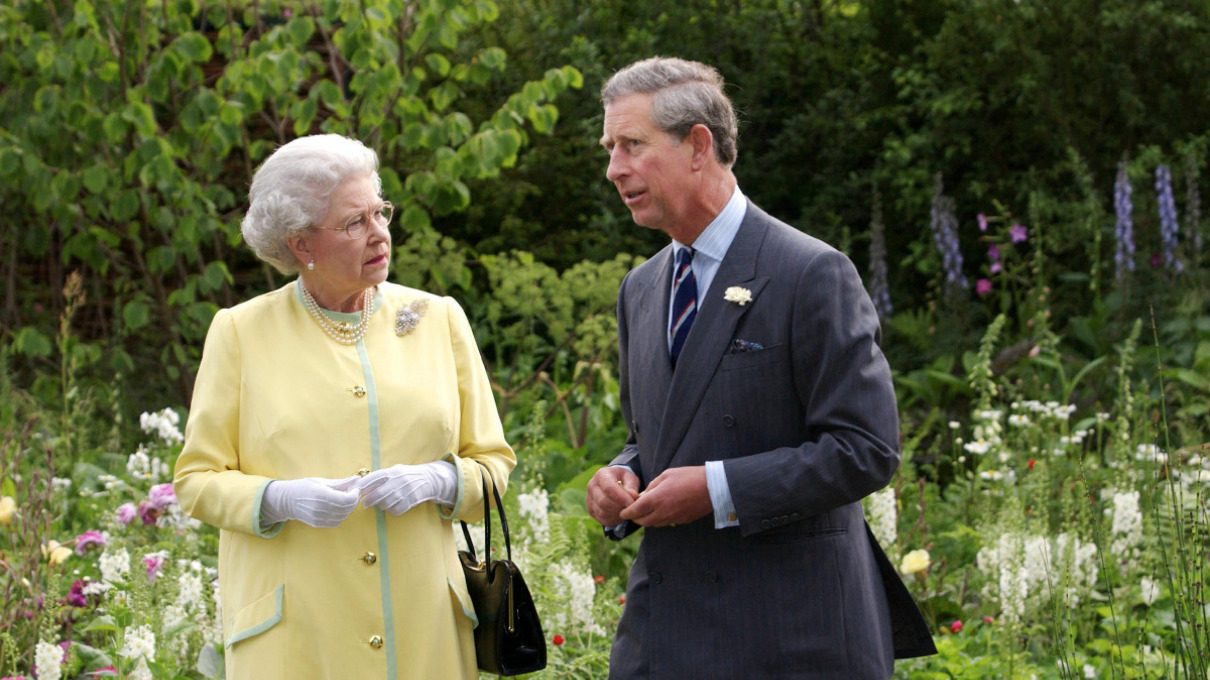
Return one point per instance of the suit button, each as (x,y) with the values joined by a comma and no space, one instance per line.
(376,641)
(728,421)
(369,558)
(657,577)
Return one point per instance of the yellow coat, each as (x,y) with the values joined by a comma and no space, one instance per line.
(380,596)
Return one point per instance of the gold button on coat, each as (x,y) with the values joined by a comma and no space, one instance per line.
(358,391)
(369,558)
(363,472)
(376,641)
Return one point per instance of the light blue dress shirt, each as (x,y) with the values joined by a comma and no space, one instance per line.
(708,252)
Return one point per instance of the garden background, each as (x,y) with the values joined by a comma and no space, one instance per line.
(1018,181)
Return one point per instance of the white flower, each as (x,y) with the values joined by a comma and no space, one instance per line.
(1090,673)
(141,672)
(883,517)
(139,644)
(1151,590)
(163,423)
(534,506)
(115,565)
(48,658)
(580,590)
(1127,530)
(737,294)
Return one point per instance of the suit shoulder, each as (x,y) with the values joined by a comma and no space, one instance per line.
(785,242)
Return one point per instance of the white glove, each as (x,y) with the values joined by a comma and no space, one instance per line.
(400,488)
(313,501)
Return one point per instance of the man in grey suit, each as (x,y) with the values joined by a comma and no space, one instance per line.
(760,411)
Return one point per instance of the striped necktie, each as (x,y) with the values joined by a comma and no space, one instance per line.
(684,302)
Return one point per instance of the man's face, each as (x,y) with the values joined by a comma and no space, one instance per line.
(651,169)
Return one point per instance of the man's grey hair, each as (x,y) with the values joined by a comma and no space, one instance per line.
(292,189)
(684,94)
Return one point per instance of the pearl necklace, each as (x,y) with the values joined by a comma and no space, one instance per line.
(341,331)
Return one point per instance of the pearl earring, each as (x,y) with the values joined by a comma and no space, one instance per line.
(311,266)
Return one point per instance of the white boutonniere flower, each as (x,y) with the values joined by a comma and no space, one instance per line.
(738,294)
(408,317)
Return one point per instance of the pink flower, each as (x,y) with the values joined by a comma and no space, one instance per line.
(89,539)
(161,495)
(105,672)
(75,597)
(1018,233)
(1156,260)
(983,287)
(148,512)
(996,268)
(993,253)
(154,562)
(558,640)
(126,513)
(982,221)
(956,626)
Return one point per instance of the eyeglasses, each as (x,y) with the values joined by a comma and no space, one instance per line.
(357,225)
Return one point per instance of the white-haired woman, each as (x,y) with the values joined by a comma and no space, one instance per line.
(338,425)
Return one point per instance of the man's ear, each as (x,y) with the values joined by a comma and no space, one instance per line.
(703,145)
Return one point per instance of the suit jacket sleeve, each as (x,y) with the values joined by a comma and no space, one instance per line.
(846,402)
(629,455)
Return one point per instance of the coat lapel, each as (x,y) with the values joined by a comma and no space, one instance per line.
(710,337)
(649,344)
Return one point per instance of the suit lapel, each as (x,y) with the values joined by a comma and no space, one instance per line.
(710,336)
(649,344)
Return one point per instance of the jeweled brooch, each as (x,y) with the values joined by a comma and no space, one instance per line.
(408,317)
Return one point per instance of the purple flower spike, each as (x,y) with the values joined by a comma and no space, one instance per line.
(1169,227)
(1123,228)
(1018,233)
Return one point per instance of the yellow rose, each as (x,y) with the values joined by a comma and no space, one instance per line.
(914,562)
(8,508)
(55,553)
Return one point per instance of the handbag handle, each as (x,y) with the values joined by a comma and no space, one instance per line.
(487,524)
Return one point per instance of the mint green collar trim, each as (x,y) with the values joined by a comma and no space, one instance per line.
(347,317)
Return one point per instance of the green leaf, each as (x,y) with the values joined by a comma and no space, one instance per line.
(101,624)
(30,342)
(136,314)
(95,178)
(194,46)
(210,663)
(438,64)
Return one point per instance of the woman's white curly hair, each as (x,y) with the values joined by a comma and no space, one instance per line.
(292,188)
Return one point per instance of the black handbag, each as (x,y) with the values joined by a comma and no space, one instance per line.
(508,639)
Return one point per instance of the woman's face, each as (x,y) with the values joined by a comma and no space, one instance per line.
(345,266)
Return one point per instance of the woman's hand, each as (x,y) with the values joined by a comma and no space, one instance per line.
(400,488)
(314,501)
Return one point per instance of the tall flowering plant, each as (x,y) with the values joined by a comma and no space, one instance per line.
(944,226)
(1123,227)
(1169,226)
(134,593)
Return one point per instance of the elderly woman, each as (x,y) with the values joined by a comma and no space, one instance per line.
(339,424)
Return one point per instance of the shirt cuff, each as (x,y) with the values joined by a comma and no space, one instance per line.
(720,495)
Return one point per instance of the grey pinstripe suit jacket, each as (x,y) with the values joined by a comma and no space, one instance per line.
(806,427)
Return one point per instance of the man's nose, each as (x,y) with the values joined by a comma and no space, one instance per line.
(616,168)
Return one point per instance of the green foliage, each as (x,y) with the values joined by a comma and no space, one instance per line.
(131,132)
